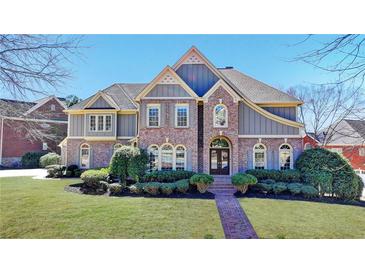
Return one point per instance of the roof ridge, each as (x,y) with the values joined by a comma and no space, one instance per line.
(125,93)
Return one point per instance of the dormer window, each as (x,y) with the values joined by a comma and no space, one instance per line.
(153,115)
(220,116)
(53,107)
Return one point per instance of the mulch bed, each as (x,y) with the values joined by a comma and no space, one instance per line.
(76,188)
(288,197)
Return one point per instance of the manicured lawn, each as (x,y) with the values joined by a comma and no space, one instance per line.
(42,209)
(296,219)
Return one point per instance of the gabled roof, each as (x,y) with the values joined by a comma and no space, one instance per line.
(43,101)
(346,132)
(255,90)
(122,94)
(14,108)
(358,126)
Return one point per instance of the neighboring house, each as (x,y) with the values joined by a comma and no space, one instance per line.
(191,116)
(30,127)
(310,141)
(348,139)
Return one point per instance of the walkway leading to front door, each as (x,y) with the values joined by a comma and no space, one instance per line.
(234,220)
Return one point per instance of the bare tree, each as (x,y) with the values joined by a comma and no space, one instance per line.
(34,65)
(342,55)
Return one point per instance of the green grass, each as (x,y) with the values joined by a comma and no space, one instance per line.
(298,220)
(42,209)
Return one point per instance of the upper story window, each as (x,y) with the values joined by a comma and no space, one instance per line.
(362,151)
(153,115)
(100,123)
(286,157)
(181,115)
(259,156)
(220,116)
(53,107)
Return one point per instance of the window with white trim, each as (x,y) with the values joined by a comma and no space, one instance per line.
(286,157)
(181,115)
(220,116)
(100,123)
(180,158)
(153,155)
(167,152)
(153,115)
(84,156)
(53,107)
(362,151)
(259,156)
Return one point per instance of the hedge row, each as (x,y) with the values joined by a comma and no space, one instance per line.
(167,176)
(155,188)
(288,176)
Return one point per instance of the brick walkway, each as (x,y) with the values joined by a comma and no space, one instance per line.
(234,220)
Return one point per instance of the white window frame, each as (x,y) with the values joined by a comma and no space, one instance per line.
(185,156)
(177,106)
(361,151)
(44,146)
(160,155)
(149,106)
(80,153)
(104,123)
(291,155)
(259,150)
(53,107)
(214,116)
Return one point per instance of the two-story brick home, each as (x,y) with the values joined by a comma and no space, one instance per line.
(191,116)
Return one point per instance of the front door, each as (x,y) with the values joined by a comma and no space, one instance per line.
(219,161)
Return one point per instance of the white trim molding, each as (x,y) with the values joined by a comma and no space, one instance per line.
(215,118)
(106,97)
(177,106)
(148,107)
(271,136)
(254,150)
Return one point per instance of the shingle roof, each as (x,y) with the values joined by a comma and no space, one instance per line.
(122,94)
(14,108)
(358,126)
(255,90)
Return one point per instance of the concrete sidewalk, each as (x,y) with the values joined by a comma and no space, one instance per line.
(38,172)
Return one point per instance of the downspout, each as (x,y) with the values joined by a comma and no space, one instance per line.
(1,140)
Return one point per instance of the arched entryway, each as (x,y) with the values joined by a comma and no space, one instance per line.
(219,156)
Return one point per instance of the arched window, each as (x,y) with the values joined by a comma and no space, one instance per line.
(167,152)
(84,156)
(220,116)
(259,156)
(285,157)
(180,158)
(152,158)
(307,146)
(219,143)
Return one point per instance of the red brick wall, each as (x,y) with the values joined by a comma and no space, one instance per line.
(45,112)
(17,141)
(352,154)
(309,140)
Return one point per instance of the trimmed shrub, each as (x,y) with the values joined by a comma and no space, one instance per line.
(182,186)
(137,165)
(115,188)
(71,171)
(167,189)
(67,173)
(344,185)
(152,188)
(321,180)
(268,181)
(264,187)
(241,181)
(202,181)
(78,172)
(50,159)
(279,187)
(295,188)
(136,188)
(55,171)
(167,176)
(309,191)
(287,176)
(31,159)
(104,185)
(120,161)
(92,178)
(360,185)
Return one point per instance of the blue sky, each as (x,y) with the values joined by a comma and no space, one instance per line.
(139,58)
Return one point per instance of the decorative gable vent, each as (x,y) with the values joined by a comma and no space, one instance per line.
(168,79)
(193,58)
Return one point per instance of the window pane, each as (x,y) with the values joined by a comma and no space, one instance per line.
(284,160)
(108,122)
(182,116)
(92,123)
(220,113)
(153,116)
(100,123)
(180,158)
(153,158)
(166,157)
(259,160)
